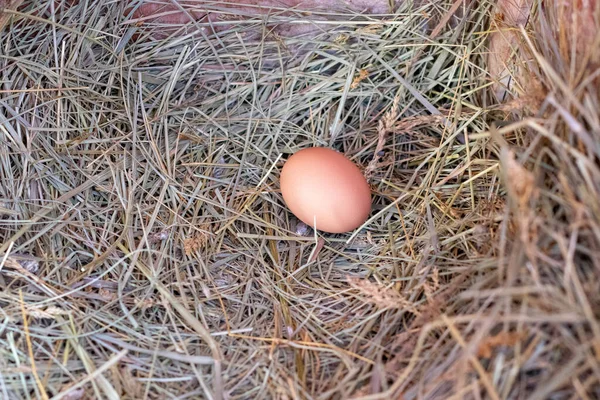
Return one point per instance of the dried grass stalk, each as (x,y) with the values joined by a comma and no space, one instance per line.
(6,5)
(476,275)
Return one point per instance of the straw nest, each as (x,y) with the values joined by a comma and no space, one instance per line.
(146,251)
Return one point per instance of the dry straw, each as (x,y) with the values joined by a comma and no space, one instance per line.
(140,178)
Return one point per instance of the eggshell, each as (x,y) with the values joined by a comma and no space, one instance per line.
(323,185)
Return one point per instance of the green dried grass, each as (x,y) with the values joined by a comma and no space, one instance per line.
(144,228)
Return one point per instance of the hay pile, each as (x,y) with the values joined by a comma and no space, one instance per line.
(146,252)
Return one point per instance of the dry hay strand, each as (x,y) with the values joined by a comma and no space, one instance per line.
(6,5)
(145,251)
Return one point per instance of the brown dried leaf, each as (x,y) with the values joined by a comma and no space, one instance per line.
(360,76)
(195,243)
(50,312)
(508,339)
(107,294)
(145,303)
(409,124)
(131,386)
(520,182)
(531,99)
(370,29)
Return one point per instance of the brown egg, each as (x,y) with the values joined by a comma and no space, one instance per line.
(322,185)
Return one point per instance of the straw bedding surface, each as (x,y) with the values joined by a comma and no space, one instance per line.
(146,251)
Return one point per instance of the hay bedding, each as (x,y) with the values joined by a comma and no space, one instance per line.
(146,252)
